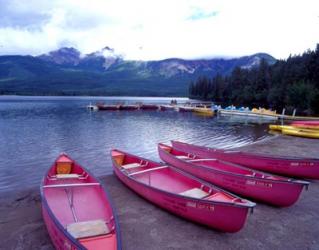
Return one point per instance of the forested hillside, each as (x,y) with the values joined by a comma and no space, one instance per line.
(291,83)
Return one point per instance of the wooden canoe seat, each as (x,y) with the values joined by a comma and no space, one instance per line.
(67,176)
(86,229)
(131,165)
(195,193)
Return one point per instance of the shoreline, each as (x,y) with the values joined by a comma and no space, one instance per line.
(145,226)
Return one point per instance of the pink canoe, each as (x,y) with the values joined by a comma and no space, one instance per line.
(181,193)
(292,166)
(261,186)
(314,123)
(306,124)
(76,209)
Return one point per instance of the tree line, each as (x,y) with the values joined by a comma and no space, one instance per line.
(291,83)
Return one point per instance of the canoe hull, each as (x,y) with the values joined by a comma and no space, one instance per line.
(297,167)
(73,200)
(225,218)
(277,193)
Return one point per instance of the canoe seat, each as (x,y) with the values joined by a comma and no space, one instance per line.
(67,176)
(131,165)
(86,229)
(195,193)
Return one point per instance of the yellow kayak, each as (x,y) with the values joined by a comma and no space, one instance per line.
(301,133)
(204,111)
(286,127)
(290,130)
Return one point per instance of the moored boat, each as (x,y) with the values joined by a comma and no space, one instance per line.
(107,106)
(306,124)
(247,113)
(289,166)
(166,107)
(296,131)
(283,127)
(129,107)
(148,106)
(261,186)
(203,111)
(314,123)
(181,193)
(307,133)
(185,109)
(77,211)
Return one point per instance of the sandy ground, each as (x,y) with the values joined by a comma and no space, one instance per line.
(144,226)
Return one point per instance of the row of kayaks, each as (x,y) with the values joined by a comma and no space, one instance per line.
(195,182)
(301,129)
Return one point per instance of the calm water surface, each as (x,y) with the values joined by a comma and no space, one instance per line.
(34,130)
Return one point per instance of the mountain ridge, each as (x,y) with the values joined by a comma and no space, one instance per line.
(67,72)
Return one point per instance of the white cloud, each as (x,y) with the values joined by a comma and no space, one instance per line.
(144,29)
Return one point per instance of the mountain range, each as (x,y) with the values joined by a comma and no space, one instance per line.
(67,72)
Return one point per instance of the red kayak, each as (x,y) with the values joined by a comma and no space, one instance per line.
(261,186)
(314,123)
(181,193)
(76,209)
(306,124)
(292,166)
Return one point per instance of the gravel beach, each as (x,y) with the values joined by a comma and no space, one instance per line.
(144,226)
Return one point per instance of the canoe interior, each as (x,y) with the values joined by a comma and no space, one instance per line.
(169,179)
(70,204)
(215,164)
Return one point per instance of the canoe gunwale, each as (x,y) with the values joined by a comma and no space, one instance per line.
(60,226)
(248,204)
(287,181)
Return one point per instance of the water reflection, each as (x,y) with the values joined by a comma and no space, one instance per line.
(33,131)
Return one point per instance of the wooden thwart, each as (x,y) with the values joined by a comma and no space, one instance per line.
(72,185)
(147,170)
(195,193)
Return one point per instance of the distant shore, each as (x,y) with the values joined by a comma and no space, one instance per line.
(144,226)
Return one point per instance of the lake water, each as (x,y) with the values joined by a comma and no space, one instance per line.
(34,130)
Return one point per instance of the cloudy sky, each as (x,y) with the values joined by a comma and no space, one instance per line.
(147,29)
